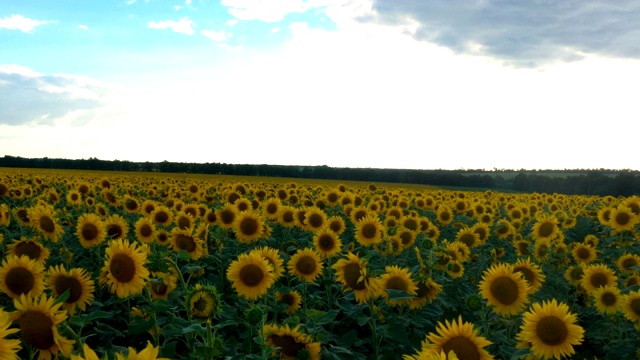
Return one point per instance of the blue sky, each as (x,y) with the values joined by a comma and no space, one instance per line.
(357,83)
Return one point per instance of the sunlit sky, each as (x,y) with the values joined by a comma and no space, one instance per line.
(406,84)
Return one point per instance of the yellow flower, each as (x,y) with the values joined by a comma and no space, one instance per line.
(251,275)
(124,271)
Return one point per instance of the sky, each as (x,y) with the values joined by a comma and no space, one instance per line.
(408,84)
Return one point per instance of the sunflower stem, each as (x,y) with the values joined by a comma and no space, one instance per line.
(374,332)
(76,337)
(180,277)
(156,335)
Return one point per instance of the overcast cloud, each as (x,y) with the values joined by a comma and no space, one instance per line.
(27,97)
(523,33)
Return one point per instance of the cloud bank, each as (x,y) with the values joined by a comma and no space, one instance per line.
(19,22)
(522,33)
(27,97)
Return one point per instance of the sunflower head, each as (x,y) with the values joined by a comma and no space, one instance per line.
(506,290)
(203,302)
(251,275)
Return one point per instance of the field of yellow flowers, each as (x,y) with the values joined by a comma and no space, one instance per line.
(107,265)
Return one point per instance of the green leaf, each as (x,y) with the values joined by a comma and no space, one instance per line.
(520,353)
(327,317)
(194,328)
(399,294)
(97,314)
(183,255)
(63,297)
(362,319)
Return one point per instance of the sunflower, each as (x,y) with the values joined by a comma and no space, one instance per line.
(504,229)
(184,221)
(88,352)
(531,273)
(8,347)
(336,224)
(305,264)
(455,269)
(273,258)
(145,230)
(161,215)
(545,228)
(5,215)
(91,231)
(148,353)
(185,240)
(444,215)
(397,278)
(203,302)
(161,284)
(315,219)
(327,243)
(287,216)
(289,342)
(596,276)
(117,227)
(426,291)
(226,216)
(459,337)
(542,249)
(551,330)
(369,230)
(123,271)
(583,253)
(627,261)
(292,299)
(33,249)
(506,290)
(271,207)
(574,274)
(43,218)
(607,299)
(248,226)
(251,274)
(622,218)
(79,283)
(352,273)
(21,275)
(631,306)
(469,237)
(38,319)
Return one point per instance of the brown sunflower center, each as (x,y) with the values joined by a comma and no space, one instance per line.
(634,306)
(546,229)
(28,248)
(629,262)
(609,299)
(369,231)
(583,253)
(62,283)
(445,216)
(551,330)
(20,280)
(287,217)
(160,288)
(89,231)
(161,217)
(527,274)
(185,242)
(504,289)
(131,205)
(468,239)
(315,220)
(463,347)
(184,222)
(114,231)
(622,218)
(598,279)
(287,344)
(288,299)
(145,230)
(36,329)
(422,290)
(397,283)
(326,242)
(200,304)
(122,267)
(249,226)
(306,265)
(251,275)
(272,208)
(46,224)
(351,276)
(227,217)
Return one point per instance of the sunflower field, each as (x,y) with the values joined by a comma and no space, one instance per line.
(108,265)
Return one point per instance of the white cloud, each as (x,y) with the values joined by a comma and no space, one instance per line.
(182,26)
(267,11)
(217,36)
(232,22)
(19,22)
(83,27)
(275,30)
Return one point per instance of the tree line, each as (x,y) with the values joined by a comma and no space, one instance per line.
(572,182)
